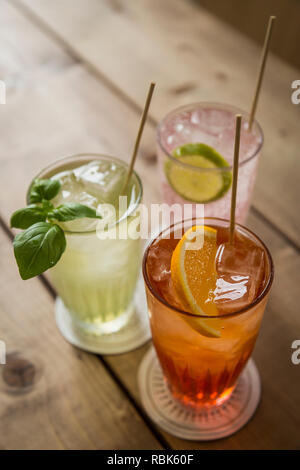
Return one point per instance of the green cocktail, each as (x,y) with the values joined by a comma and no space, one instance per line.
(96,277)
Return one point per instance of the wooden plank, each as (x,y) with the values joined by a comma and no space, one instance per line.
(193,56)
(27,60)
(94,118)
(54,396)
(251,18)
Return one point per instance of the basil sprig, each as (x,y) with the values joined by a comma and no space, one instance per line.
(24,218)
(43,189)
(71,211)
(41,244)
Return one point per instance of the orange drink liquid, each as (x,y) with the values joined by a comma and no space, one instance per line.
(202,369)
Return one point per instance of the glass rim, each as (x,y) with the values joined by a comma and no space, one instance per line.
(98,156)
(219,106)
(255,302)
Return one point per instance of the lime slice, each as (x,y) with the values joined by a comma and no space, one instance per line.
(198,186)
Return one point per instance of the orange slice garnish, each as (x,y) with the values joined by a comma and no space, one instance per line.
(194,277)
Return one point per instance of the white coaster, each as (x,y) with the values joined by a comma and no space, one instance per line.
(133,335)
(205,424)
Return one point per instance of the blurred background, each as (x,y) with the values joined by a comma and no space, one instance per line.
(249,17)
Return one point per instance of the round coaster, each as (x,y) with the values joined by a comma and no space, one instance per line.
(205,424)
(133,335)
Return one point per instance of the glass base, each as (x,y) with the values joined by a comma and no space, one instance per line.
(201,424)
(102,328)
(132,334)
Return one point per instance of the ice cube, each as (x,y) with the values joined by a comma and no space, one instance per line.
(249,143)
(168,292)
(102,180)
(212,121)
(159,263)
(241,269)
(72,191)
(159,269)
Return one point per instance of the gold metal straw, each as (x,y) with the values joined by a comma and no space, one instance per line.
(238,123)
(140,132)
(261,69)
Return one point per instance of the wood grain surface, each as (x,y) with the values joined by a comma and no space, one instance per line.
(75,86)
(193,57)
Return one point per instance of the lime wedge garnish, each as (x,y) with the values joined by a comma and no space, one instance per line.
(198,186)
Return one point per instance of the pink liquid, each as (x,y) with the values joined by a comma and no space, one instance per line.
(213,125)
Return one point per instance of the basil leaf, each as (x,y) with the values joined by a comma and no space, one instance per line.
(43,189)
(47,205)
(23,218)
(38,248)
(71,211)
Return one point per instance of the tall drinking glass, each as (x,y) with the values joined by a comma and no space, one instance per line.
(202,370)
(96,276)
(195,155)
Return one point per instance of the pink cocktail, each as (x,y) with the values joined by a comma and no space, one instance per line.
(188,177)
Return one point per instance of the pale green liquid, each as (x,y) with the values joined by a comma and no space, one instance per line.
(96,278)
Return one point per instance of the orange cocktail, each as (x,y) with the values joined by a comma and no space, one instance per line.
(202,356)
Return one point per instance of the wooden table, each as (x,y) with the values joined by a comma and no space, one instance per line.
(76,74)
